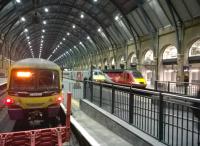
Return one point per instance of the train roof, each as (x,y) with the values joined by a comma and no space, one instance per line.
(118,70)
(35,63)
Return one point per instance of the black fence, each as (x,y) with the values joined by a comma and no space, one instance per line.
(171,119)
(183,88)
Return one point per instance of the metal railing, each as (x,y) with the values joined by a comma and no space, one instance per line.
(172,119)
(183,88)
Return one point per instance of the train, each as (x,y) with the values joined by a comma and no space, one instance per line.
(97,76)
(126,77)
(34,89)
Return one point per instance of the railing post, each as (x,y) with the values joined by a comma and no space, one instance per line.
(84,89)
(185,88)
(68,104)
(113,100)
(100,102)
(156,85)
(160,128)
(168,86)
(91,91)
(131,103)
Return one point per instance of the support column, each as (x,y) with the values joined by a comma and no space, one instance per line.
(180,73)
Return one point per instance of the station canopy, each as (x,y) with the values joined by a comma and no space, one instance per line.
(71,31)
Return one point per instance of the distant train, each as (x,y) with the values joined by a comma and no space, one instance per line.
(126,77)
(34,89)
(98,75)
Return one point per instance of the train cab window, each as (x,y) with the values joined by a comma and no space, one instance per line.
(34,80)
(48,79)
(137,74)
(22,80)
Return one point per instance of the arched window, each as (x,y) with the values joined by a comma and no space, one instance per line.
(195,49)
(148,56)
(170,52)
(113,62)
(133,58)
(106,62)
(122,60)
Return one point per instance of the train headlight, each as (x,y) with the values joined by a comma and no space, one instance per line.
(59,99)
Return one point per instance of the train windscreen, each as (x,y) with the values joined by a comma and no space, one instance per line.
(34,80)
(137,74)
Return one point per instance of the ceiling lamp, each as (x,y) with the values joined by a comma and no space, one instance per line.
(82,16)
(46,10)
(23,19)
(18,1)
(44,22)
(25,30)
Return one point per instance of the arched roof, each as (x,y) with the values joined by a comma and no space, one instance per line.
(93,26)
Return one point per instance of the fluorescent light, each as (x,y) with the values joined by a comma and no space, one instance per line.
(88,37)
(99,29)
(73,26)
(43,30)
(27,37)
(63,39)
(68,33)
(25,30)
(42,36)
(95,0)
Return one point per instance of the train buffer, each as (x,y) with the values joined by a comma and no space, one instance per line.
(40,137)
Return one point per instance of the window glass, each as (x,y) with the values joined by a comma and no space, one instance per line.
(148,56)
(170,52)
(195,49)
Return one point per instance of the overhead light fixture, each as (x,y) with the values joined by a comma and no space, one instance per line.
(43,30)
(80,43)
(44,22)
(60,42)
(99,29)
(88,37)
(27,37)
(23,19)
(25,30)
(18,1)
(73,26)
(95,0)
(29,43)
(63,39)
(117,18)
(82,16)
(42,41)
(42,36)
(68,33)
(46,9)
